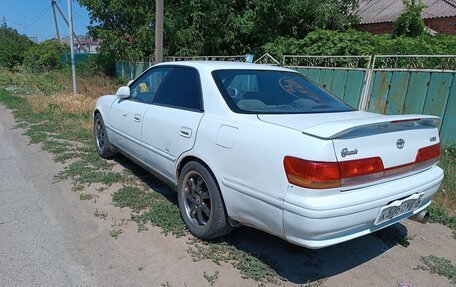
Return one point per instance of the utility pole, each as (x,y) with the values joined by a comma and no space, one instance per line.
(55,20)
(4,21)
(68,24)
(158,31)
(73,64)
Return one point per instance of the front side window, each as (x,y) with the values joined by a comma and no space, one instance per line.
(145,88)
(274,92)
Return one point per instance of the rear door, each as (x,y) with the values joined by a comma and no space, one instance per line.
(171,121)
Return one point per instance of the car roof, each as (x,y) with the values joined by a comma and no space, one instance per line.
(222,65)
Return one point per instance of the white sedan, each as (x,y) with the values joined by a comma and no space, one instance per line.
(263,146)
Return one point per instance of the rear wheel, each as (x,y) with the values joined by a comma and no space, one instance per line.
(201,203)
(104,148)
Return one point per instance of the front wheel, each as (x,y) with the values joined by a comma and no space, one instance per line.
(103,146)
(201,203)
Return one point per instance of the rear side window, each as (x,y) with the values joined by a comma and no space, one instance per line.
(274,92)
(180,89)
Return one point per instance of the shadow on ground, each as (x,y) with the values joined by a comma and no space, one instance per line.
(293,263)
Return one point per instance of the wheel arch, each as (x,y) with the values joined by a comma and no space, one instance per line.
(188,158)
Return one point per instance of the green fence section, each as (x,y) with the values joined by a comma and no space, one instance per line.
(130,70)
(417,92)
(78,57)
(347,84)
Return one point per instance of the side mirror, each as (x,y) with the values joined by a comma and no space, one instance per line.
(123,92)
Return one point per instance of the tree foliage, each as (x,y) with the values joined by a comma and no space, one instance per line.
(12,47)
(210,27)
(45,56)
(410,22)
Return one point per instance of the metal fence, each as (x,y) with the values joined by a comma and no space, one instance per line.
(345,76)
(389,84)
(131,69)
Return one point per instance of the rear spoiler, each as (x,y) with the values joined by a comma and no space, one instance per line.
(338,129)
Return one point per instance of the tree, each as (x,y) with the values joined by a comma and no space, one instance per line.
(410,22)
(13,46)
(210,27)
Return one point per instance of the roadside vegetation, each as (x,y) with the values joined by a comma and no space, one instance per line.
(35,84)
(440,266)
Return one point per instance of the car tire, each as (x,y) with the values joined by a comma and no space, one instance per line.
(200,202)
(102,144)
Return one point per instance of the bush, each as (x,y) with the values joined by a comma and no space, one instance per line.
(44,56)
(12,47)
(103,63)
(352,42)
(409,22)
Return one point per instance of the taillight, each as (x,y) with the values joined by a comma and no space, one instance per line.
(312,174)
(360,167)
(318,175)
(427,153)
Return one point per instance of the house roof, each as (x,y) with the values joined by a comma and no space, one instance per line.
(375,11)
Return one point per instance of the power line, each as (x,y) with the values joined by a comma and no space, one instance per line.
(44,13)
(82,20)
(33,28)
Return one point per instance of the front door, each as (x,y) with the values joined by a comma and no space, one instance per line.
(127,115)
(170,124)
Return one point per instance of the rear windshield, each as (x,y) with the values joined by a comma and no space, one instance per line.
(274,92)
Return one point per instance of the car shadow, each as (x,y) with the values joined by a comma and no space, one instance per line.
(293,263)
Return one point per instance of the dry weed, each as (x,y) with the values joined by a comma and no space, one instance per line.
(75,104)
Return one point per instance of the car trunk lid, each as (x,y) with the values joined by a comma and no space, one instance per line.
(396,140)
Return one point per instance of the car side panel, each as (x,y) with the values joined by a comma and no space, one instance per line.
(249,169)
(168,132)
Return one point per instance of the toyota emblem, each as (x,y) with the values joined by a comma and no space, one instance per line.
(400,143)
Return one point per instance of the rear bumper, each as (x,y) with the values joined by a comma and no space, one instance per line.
(317,222)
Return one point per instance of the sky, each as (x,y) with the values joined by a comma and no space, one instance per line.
(35,19)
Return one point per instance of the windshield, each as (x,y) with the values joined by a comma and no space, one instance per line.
(274,92)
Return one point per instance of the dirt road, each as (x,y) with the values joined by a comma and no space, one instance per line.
(49,237)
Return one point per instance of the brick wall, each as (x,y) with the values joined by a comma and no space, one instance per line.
(376,28)
(446,25)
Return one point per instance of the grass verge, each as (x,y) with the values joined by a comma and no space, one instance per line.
(440,266)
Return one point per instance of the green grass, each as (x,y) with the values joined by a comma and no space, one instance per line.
(440,266)
(440,215)
(211,278)
(100,214)
(115,233)
(85,196)
(250,265)
(446,197)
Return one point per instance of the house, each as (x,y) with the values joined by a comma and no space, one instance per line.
(378,16)
(84,45)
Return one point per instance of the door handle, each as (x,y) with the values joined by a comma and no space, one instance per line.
(137,117)
(185,132)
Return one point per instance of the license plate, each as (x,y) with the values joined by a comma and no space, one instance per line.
(398,207)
